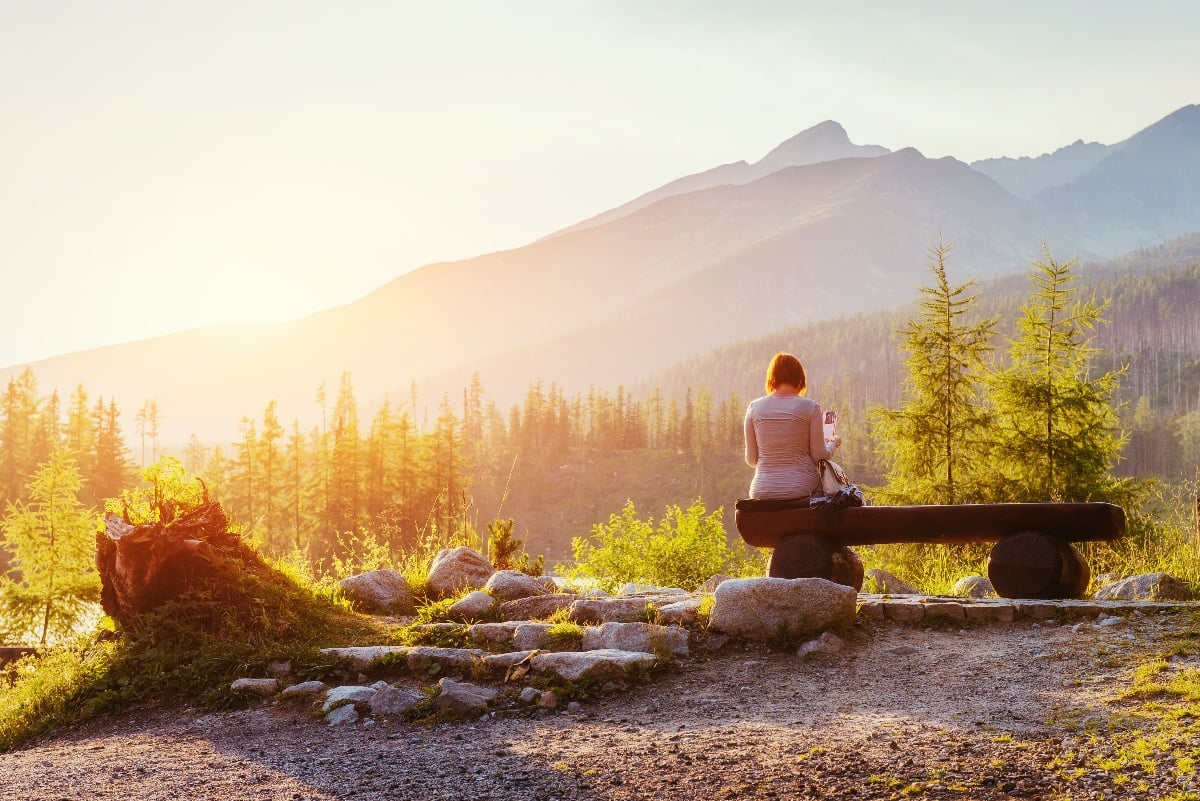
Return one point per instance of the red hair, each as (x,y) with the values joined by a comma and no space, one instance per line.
(786,369)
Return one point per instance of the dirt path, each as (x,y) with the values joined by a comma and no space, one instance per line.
(987,713)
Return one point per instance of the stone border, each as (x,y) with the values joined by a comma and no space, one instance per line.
(933,609)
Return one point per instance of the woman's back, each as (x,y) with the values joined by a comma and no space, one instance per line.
(778,437)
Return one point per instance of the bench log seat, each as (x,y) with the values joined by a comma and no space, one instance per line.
(1033,556)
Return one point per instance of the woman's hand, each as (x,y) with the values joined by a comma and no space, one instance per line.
(832,445)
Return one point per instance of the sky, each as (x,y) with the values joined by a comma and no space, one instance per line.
(172,165)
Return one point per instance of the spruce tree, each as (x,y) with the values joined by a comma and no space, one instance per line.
(933,442)
(1057,428)
(52,539)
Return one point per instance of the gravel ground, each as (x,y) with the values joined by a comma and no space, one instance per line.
(898,713)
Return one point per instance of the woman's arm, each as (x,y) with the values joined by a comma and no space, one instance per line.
(751,442)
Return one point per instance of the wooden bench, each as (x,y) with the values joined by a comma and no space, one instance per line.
(1033,556)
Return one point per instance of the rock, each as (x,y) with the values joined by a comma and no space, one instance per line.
(394,701)
(259,687)
(492,633)
(683,613)
(710,586)
(973,587)
(473,606)
(618,610)
(827,643)
(769,608)
(601,665)
(945,610)
(548,700)
(905,612)
(650,589)
(535,607)
(1146,587)
(505,661)
(463,699)
(364,657)
(989,613)
(303,689)
(457,569)
(529,695)
(643,637)
(352,693)
(431,661)
(510,585)
(884,582)
(529,636)
(377,592)
(342,715)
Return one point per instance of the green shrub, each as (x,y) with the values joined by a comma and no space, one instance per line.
(684,549)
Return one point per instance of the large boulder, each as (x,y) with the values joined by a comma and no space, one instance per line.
(509,585)
(1146,587)
(377,592)
(457,569)
(771,608)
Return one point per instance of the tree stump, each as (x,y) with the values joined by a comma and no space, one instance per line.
(144,566)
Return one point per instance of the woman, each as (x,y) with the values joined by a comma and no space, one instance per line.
(785,434)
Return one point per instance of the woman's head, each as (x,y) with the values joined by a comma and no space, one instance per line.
(786,369)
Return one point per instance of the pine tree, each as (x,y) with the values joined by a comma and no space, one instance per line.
(1057,426)
(345,489)
(52,538)
(19,409)
(112,466)
(269,455)
(934,441)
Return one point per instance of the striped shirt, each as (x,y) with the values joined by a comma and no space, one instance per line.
(784,439)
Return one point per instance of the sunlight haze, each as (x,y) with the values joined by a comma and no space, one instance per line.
(167,166)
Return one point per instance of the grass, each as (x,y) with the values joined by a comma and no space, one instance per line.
(190,648)
(1152,726)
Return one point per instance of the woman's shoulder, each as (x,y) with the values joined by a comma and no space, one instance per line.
(783,401)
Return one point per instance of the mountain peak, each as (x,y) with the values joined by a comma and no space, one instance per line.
(825,141)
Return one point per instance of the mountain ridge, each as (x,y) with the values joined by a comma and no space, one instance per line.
(608,300)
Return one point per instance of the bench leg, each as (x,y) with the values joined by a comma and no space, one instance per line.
(1033,564)
(809,556)
(801,556)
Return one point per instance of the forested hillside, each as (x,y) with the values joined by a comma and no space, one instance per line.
(558,463)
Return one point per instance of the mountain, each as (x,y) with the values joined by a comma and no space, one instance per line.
(1146,191)
(1026,176)
(659,279)
(827,141)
